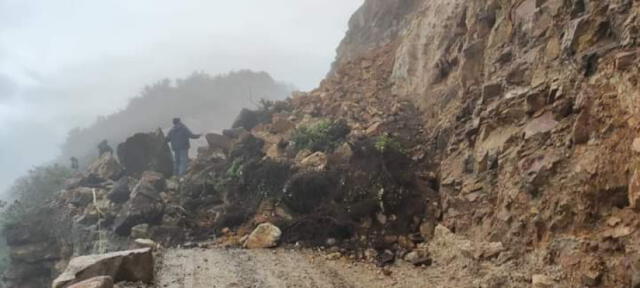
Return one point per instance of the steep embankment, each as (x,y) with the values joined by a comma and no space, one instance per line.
(531,118)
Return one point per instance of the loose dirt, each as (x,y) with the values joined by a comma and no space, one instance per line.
(195,268)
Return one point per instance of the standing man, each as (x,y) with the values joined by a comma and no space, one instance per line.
(179,137)
(74,164)
(104,148)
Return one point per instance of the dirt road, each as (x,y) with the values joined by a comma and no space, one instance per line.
(200,268)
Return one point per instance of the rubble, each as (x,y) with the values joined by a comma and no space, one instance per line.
(145,205)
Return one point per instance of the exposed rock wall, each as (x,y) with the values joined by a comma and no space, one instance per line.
(530,111)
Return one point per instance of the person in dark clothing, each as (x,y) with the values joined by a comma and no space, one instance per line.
(179,137)
(74,164)
(104,147)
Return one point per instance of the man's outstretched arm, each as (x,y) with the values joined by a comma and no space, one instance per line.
(191,135)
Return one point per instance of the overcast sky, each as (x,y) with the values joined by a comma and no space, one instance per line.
(64,62)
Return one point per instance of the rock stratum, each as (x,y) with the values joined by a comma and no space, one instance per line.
(498,141)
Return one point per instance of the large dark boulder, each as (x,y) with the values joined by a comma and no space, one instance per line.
(121,190)
(146,152)
(248,119)
(144,206)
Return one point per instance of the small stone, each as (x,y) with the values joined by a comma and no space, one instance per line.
(426,230)
(266,235)
(390,239)
(591,278)
(541,281)
(418,257)
(331,242)
(140,231)
(146,243)
(385,258)
(370,254)
(625,60)
(634,190)
(333,256)
(406,243)
(636,145)
(613,221)
(382,219)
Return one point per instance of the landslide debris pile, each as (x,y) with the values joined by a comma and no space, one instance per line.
(497,141)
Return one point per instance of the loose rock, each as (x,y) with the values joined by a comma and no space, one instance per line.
(266,235)
(132,265)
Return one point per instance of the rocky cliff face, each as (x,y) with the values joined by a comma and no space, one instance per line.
(530,115)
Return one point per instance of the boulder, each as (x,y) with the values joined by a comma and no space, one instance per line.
(121,190)
(145,205)
(131,265)
(249,119)
(146,152)
(634,190)
(315,161)
(96,282)
(106,167)
(234,133)
(266,235)
(218,142)
(81,196)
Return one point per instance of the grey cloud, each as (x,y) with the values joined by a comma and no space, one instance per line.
(7,87)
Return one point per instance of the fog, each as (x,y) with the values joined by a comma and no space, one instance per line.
(63,63)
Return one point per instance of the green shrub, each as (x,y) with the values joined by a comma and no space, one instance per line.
(33,191)
(386,143)
(235,170)
(325,135)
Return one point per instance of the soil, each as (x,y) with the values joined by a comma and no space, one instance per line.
(221,267)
